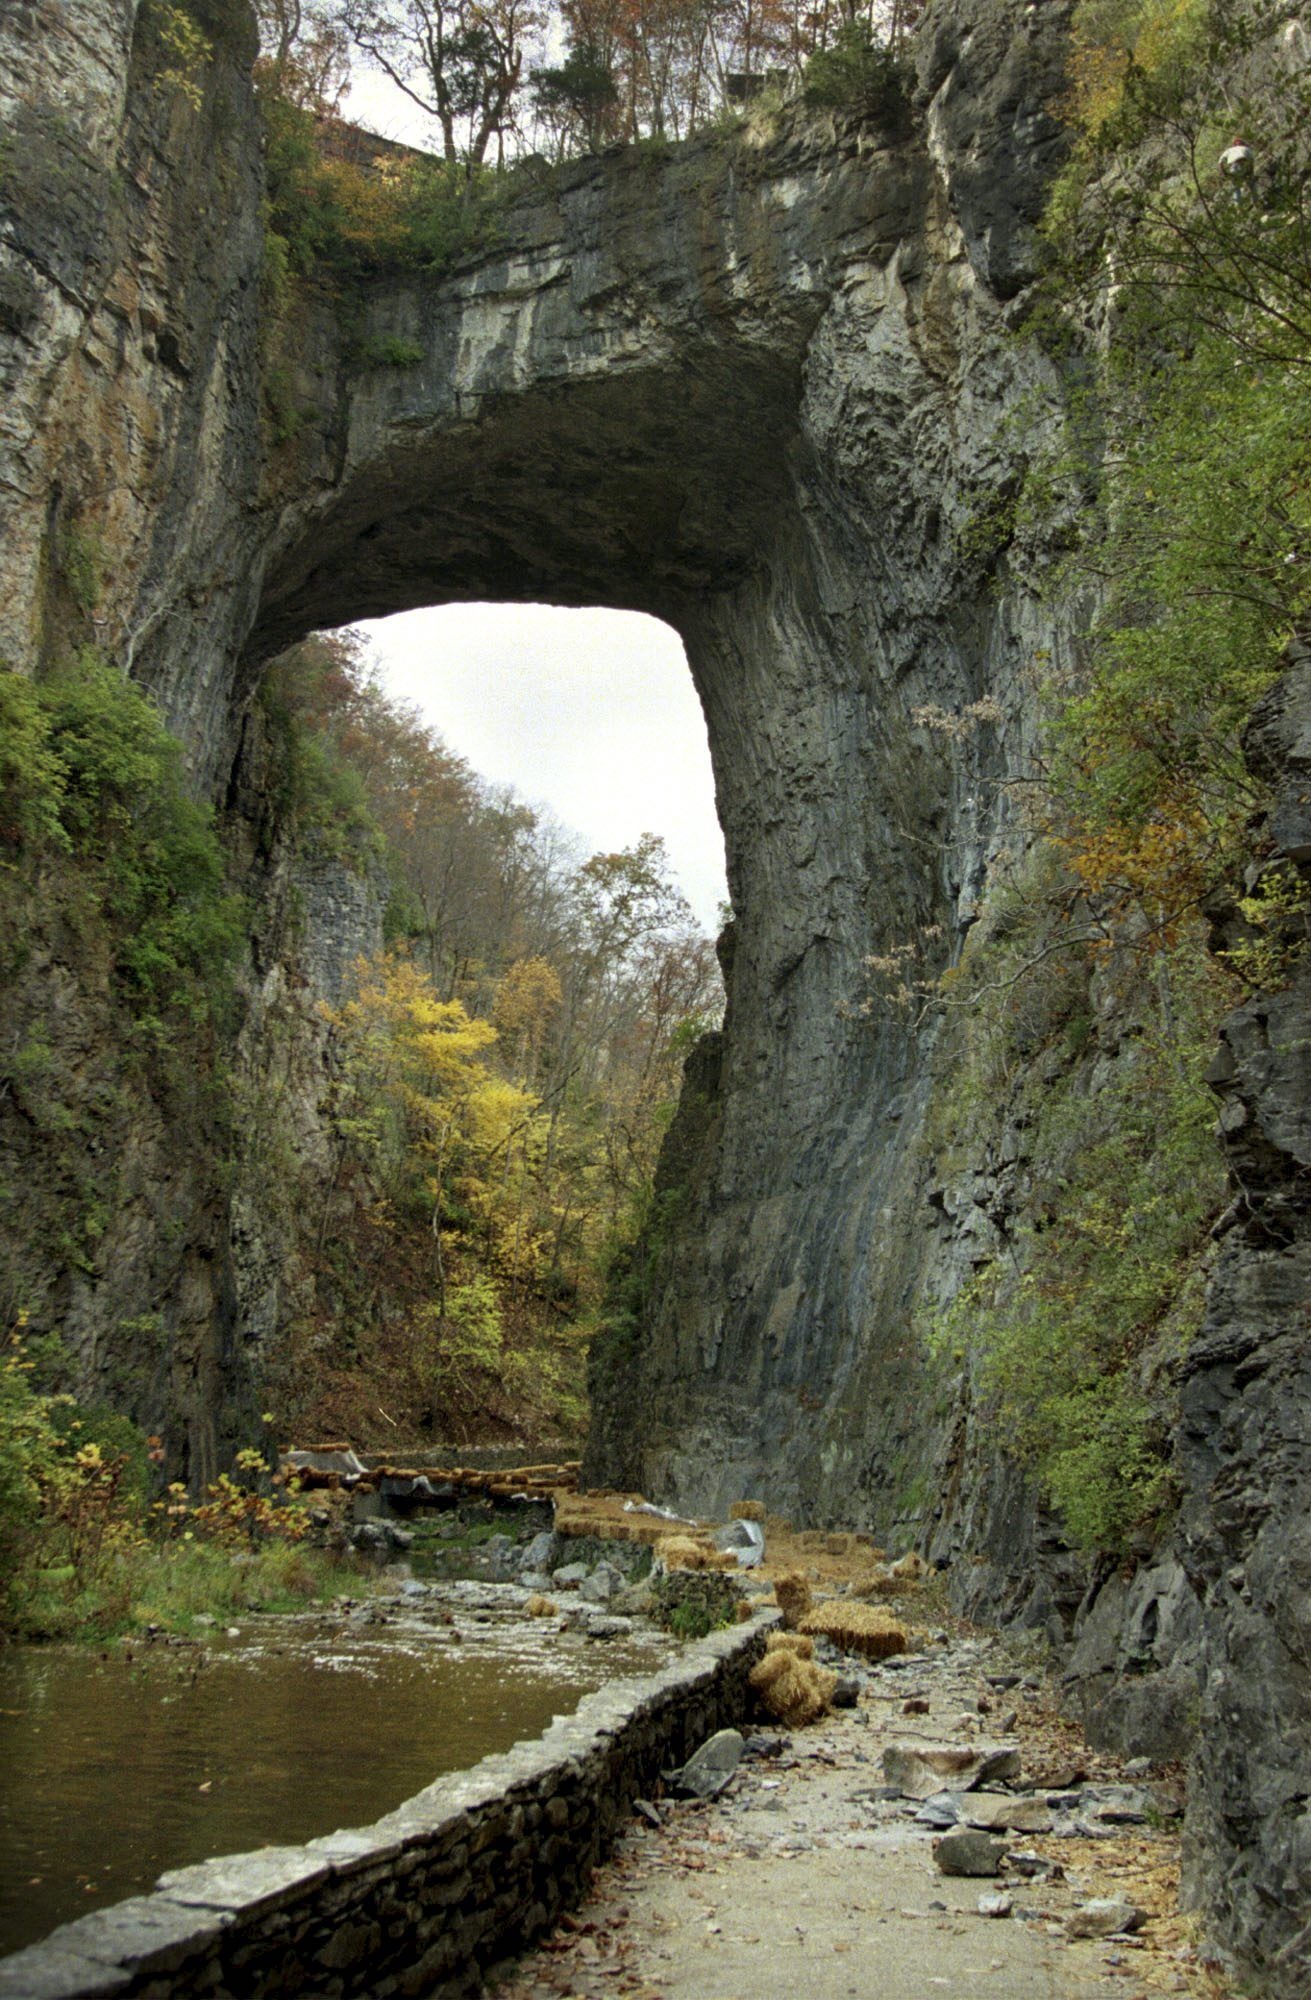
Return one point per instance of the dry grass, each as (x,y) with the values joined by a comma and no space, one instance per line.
(792,1594)
(858,1628)
(603,1515)
(692,1552)
(794,1691)
(541,1607)
(747,1510)
(799,1644)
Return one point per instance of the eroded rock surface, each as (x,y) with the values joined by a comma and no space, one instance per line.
(772,389)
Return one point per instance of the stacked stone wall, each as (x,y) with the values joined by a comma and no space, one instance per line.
(419,1903)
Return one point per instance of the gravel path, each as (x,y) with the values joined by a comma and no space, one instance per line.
(802,1882)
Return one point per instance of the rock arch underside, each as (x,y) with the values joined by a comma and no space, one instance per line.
(760,387)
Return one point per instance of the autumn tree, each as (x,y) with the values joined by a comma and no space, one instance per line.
(304,51)
(460,61)
(503,1074)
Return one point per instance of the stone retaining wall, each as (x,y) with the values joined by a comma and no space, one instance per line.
(419,1902)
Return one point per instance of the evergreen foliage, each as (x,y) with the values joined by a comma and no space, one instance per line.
(1073,1330)
(95,776)
(858,73)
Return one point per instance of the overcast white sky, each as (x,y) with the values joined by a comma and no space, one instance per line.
(590,712)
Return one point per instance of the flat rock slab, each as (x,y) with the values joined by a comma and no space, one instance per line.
(1003,1813)
(921,1769)
(709,1769)
(968,1852)
(1104,1916)
(244,1881)
(41,1974)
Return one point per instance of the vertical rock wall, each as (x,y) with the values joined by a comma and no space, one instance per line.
(774,390)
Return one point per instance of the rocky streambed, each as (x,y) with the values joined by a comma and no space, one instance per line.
(146,1755)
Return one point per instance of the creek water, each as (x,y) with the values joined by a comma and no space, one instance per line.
(118,1763)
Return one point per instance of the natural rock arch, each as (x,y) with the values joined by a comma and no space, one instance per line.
(758,386)
(758,390)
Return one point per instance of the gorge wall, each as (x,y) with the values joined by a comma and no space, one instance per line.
(764,387)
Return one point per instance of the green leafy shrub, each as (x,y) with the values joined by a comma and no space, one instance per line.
(73,1488)
(1198,454)
(98,777)
(345,218)
(319,788)
(32,775)
(1072,1334)
(690,1603)
(184,50)
(387,350)
(859,75)
(28,1451)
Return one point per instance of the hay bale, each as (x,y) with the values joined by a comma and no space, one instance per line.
(799,1644)
(883,1581)
(869,1629)
(791,1690)
(747,1510)
(692,1552)
(684,1552)
(603,1516)
(541,1607)
(792,1594)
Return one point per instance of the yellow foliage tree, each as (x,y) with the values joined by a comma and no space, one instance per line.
(430,1111)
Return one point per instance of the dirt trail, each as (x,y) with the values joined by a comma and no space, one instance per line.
(801,1882)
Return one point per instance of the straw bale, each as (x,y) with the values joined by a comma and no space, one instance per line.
(690,1552)
(602,1515)
(858,1628)
(799,1644)
(792,1593)
(792,1690)
(770,1669)
(747,1510)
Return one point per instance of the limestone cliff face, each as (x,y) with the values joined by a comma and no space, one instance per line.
(757,388)
(767,388)
(1245,1440)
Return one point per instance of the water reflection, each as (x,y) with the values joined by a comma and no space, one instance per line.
(119,1764)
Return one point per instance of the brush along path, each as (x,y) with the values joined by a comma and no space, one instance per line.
(800,1880)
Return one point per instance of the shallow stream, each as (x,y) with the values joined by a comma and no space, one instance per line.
(119,1762)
